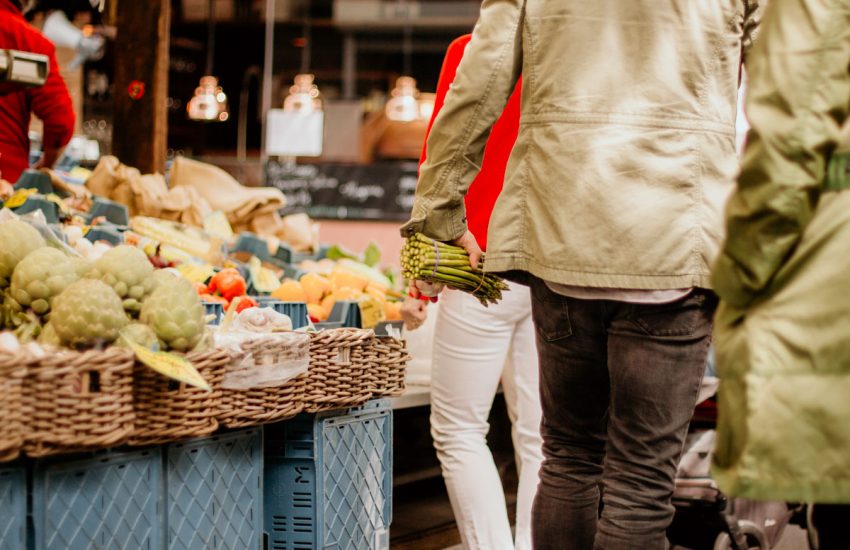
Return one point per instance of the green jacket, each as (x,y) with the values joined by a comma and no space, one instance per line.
(626,148)
(783,327)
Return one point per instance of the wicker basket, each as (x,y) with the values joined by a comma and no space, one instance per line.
(167,410)
(78,401)
(339,367)
(388,366)
(240,408)
(13,367)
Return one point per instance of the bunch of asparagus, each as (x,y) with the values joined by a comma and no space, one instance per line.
(424,259)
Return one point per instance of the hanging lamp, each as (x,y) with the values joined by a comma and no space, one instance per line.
(304,94)
(403,105)
(209,103)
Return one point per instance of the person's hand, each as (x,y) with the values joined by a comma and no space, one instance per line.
(418,289)
(48,158)
(430,290)
(467,242)
(414,311)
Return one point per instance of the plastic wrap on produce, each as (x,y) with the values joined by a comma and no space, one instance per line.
(260,319)
(268,354)
(9,343)
(37,220)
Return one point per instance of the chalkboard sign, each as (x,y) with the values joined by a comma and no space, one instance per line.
(380,191)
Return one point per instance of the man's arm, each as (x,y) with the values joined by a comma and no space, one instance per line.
(52,104)
(797,101)
(485,80)
(48,158)
(448,70)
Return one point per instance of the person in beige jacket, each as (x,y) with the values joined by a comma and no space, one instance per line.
(612,213)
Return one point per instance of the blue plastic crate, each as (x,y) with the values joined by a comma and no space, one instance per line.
(114,212)
(49,208)
(214,492)
(252,244)
(111,501)
(106,232)
(383,327)
(348,313)
(328,480)
(216,310)
(297,311)
(13,503)
(286,255)
(266,301)
(35,179)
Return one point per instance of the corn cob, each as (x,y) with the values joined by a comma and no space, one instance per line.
(173,235)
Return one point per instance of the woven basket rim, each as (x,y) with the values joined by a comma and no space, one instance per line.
(60,419)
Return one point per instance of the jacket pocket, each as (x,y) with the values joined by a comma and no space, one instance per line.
(550,312)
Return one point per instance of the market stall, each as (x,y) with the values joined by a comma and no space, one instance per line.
(185,386)
(200,338)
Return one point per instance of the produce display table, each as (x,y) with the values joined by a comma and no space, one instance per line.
(415,395)
(167,385)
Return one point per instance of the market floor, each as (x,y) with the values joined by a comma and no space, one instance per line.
(793,539)
(422,515)
(423,520)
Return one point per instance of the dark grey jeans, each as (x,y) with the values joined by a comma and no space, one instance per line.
(618,386)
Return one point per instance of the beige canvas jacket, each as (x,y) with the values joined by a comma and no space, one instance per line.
(626,149)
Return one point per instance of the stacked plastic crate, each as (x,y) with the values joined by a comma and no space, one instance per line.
(328,480)
(13,503)
(198,494)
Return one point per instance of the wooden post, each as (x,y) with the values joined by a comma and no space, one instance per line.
(140,124)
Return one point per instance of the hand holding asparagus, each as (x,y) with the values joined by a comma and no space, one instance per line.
(425,259)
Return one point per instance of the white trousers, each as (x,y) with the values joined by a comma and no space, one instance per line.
(474,348)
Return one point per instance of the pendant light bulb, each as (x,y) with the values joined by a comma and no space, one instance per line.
(403,105)
(209,102)
(304,96)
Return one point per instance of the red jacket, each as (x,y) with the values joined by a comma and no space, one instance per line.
(51,102)
(487,185)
